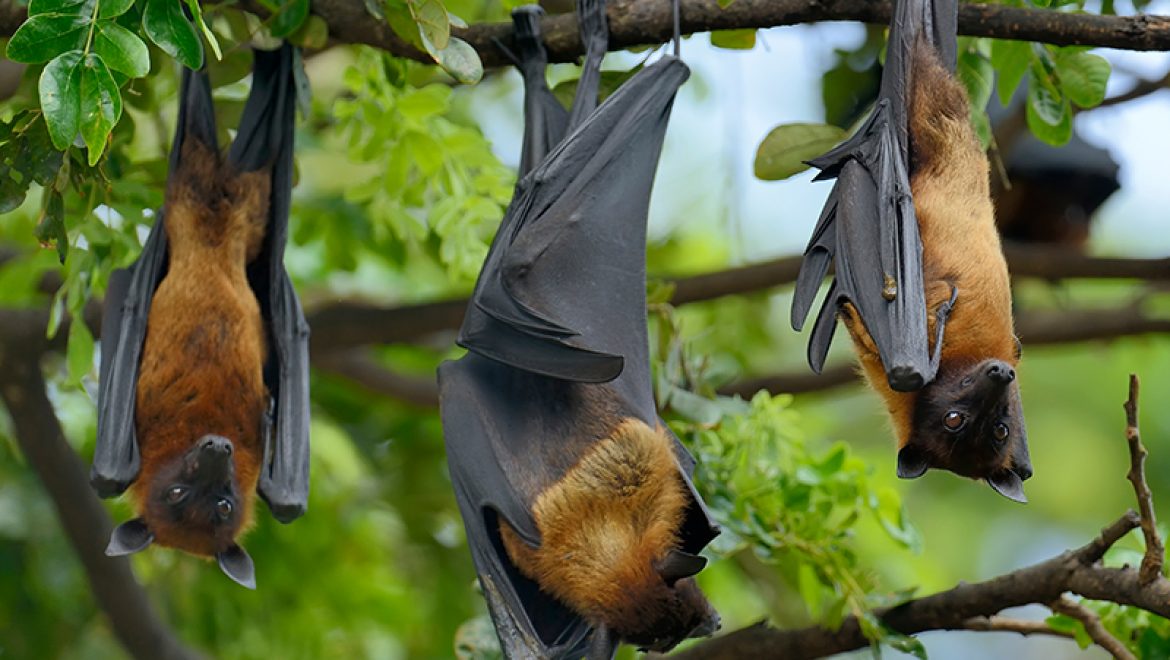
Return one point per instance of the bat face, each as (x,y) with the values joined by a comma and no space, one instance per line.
(970,421)
(676,612)
(196,493)
(193,503)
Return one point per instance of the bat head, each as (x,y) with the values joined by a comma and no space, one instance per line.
(970,421)
(192,502)
(673,607)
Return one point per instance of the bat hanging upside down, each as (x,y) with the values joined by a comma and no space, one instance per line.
(947,376)
(220,354)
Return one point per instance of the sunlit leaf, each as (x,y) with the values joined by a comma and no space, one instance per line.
(786,147)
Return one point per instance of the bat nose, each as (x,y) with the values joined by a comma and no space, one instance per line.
(216,445)
(708,627)
(905,379)
(1000,372)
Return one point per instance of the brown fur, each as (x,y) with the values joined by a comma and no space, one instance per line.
(952,199)
(603,527)
(201,368)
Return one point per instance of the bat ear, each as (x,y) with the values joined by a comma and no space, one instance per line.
(912,462)
(236,564)
(1008,484)
(129,537)
(677,565)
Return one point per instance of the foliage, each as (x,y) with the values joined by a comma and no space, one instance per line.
(790,501)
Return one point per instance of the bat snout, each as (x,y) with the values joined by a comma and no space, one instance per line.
(709,626)
(214,444)
(999,372)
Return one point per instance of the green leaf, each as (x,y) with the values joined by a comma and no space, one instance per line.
(60,91)
(1043,100)
(101,105)
(121,50)
(460,60)
(197,13)
(46,36)
(1055,134)
(288,15)
(433,23)
(164,22)
(734,39)
(51,228)
(79,354)
(786,147)
(1011,60)
(1083,77)
(113,8)
(977,74)
(313,34)
(73,7)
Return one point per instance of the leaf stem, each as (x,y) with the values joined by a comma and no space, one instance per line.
(92,24)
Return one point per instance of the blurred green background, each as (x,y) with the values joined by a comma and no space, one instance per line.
(402,178)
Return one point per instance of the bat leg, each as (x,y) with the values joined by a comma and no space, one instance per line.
(602,645)
(940,321)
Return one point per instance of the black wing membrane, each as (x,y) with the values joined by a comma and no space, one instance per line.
(868,228)
(545,119)
(127,307)
(265,139)
(560,306)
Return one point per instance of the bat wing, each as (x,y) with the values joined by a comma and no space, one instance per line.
(490,441)
(127,307)
(573,242)
(560,307)
(868,228)
(265,140)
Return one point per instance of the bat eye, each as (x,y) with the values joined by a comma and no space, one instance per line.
(954,421)
(223,508)
(176,494)
(1001,432)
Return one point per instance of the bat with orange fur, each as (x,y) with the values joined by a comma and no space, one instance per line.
(580,513)
(204,383)
(921,281)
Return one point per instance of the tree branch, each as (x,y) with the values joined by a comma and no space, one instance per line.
(134,621)
(1092,623)
(1152,561)
(345,325)
(1008,624)
(644,22)
(1078,571)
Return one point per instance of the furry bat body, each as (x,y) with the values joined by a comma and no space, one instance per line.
(204,389)
(922,285)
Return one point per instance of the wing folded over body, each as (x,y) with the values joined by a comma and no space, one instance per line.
(869,229)
(264,142)
(558,369)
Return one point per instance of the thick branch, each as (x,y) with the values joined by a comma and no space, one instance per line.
(361,368)
(348,324)
(1075,570)
(643,22)
(133,619)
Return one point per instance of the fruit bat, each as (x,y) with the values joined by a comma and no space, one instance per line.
(577,501)
(204,393)
(921,282)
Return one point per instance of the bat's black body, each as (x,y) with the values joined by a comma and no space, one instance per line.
(552,410)
(921,281)
(272,452)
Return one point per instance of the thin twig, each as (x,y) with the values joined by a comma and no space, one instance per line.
(1155,551)
(1008,624)
(1092,623)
